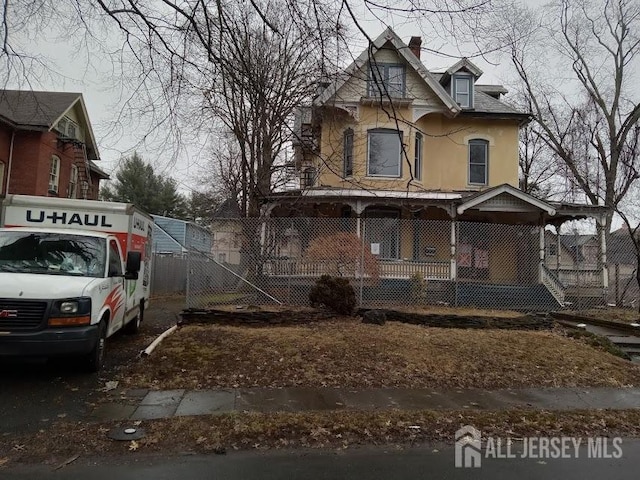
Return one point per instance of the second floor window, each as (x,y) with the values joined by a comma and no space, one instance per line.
(54,174)
(478,162)
(73,182)
(384,152)
(386,80)
(348,153)
(417,166)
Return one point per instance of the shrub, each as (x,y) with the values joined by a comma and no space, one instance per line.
(341,254)
(418,287)
(333,293)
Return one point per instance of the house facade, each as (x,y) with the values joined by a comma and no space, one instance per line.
(423,167)
(176,237)
(47,145)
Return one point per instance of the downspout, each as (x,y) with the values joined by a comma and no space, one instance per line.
(13,136)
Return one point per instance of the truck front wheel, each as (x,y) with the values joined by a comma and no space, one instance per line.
(95,359)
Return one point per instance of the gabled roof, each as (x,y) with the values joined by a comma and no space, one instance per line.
(485,195)
(98,171)
(389,36)
(31,110)
(463,64)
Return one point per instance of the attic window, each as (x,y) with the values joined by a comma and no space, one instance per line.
(386,79)
(462,90)
(67,127)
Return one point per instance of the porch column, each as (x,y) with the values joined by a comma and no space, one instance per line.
(558,250)
(541,250)
(358,220)
(603,252)
(358,208)
(453,271)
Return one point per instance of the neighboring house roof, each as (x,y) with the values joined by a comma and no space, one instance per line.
(178,220)
(31,110)
(620,249)
(228,209)
(98,171)
(389,36)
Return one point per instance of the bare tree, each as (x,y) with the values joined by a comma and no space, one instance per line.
(582,99)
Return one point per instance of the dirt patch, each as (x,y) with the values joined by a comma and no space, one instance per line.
(217,434)
(346,353)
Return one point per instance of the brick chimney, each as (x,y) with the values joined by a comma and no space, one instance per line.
(414,46)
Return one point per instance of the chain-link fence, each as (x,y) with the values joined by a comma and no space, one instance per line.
(393,261)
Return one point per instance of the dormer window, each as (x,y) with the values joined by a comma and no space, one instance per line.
(462,86)
(386,79)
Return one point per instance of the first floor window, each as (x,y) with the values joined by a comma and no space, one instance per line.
(383,229)
(478,161)
(417,165)
(54,174)
(348,153)
(73,182)
(384,152)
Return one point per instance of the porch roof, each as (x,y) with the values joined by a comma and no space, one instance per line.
(500,199)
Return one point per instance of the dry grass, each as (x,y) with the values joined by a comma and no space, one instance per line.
(618,315)
(347,353)
(309,429)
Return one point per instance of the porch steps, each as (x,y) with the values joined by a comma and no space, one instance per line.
(513,297)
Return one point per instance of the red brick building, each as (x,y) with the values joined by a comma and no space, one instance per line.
(47,145)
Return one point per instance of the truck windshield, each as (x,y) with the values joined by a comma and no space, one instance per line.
(52,253)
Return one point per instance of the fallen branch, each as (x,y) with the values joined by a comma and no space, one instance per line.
(147,351)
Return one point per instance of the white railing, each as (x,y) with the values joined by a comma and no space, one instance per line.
(552,283)
(386,269)
(580,277)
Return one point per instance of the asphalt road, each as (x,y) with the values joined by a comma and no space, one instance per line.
(365,463)
(35,392)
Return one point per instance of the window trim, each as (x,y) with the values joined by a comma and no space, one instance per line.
(382,68)
(54,174)
(347,167)
(308,177)
(454,91)
(485,143)
(418,147)
(385,131)
(2,175)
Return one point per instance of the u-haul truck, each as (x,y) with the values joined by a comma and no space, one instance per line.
(72,273)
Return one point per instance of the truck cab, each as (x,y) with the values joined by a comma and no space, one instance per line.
(63,292)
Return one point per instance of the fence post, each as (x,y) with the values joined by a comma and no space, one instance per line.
(188,289)
(362,241)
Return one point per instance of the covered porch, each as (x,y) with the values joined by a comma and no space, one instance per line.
(457,241)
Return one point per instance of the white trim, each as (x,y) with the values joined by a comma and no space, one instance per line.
(356,193)
(389,36)
(488,195)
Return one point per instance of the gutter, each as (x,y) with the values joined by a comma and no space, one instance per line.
(13,136)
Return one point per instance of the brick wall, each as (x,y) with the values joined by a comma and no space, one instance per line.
(32,153)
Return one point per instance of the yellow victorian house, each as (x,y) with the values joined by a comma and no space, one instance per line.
(423,167)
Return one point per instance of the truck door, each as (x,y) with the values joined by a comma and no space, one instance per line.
(117,295)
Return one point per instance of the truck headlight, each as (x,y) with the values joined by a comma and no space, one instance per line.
(69,307)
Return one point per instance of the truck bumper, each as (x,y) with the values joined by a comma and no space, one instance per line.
(49,342)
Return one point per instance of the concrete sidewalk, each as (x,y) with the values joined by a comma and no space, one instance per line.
(149,404)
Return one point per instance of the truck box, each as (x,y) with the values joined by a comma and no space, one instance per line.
(72,273)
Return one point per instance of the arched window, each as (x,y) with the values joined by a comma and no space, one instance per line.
(417,165)
(478,162)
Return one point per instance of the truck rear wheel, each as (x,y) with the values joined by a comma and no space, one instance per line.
(95,359)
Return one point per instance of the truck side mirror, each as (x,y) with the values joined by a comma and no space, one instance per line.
(134,260)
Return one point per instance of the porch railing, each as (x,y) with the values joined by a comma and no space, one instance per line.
(552,283)
(387,269)
(580,277)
